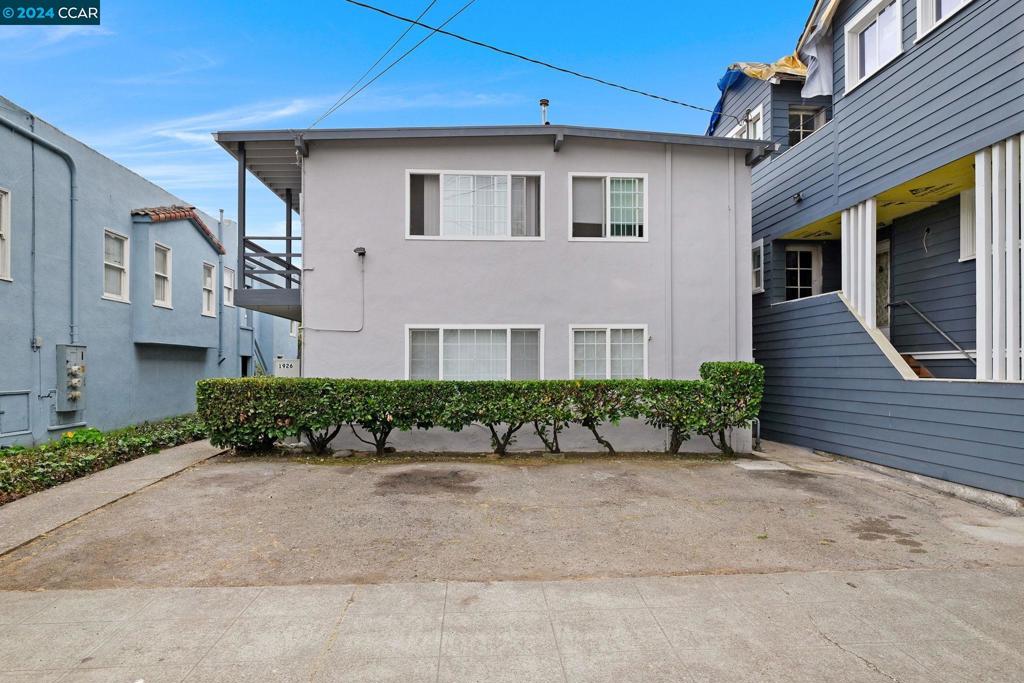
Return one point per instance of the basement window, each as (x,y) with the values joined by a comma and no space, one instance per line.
(161,275)
(5,234)
(608,207)
(209,291)
(609,352)
(471,205)
(115,266)
(474,352)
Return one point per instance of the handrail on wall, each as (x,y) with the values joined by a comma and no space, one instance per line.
(935,327)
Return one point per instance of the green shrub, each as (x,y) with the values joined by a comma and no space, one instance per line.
(732,398)
(83,451)
(252,413)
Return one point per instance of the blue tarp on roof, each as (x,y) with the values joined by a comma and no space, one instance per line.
(731,78)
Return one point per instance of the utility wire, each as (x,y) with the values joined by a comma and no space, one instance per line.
(412,22)
(516,55)
(337,103)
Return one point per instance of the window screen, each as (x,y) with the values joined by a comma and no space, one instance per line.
(423,354)
(627,353)
(525,354)
(475,354)
(590,354)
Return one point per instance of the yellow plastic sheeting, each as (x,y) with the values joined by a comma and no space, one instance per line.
(789,65)
(910,197)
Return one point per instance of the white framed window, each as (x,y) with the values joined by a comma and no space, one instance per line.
(932,13)
(209,290)
(751,128)
(161,275)
(803,271)
(968,247)
(608,351)
(115,266)
(229,286)
(873,39)
(608,206)
(474,352)
(803,121)
(5,234)
(757,266)
(474,205)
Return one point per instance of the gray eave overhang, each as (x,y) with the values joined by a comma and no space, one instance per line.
(273,155)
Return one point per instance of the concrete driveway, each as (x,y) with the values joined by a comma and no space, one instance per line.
(608,570)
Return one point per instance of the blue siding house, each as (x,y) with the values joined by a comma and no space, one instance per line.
(887,235)
(115,296)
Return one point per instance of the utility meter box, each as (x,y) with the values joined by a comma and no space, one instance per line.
(70,377)
(286,367)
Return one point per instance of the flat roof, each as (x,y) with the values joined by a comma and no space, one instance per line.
(270,155)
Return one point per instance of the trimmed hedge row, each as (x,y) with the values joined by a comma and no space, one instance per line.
(84,451)
(253,413)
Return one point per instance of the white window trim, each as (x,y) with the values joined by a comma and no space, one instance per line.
(441,327)
(968,247)
(851,32)
(816,277)
(126,284)
(923,31)
(202,289)
(234,286)
(608,342)
(759,246)
(756,115)
(169,303)
(608,207)
(5,230)
(293,328)
(409,172)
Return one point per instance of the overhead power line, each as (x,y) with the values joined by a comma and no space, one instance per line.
(412,22)
(334,107)
(516,55)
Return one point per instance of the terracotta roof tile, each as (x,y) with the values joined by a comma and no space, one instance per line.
(176,212)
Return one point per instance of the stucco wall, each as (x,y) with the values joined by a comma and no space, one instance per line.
(689,284)
(127,382)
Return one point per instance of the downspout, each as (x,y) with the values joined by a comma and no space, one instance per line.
(73,198)
(220,307)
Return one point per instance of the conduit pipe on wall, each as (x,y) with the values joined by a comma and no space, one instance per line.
(73,198)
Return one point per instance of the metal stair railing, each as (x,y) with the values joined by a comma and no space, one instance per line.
(935,327)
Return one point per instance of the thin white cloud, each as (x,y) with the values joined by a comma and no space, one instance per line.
(41,42)
(184,65)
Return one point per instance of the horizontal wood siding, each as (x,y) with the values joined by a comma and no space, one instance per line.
(927,272)
(958,90)
(830,387)
(785,95)
(748,95)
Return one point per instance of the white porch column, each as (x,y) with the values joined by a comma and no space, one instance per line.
(999,264)
(859,252)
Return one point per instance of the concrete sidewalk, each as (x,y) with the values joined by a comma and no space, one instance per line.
(906,625)
(32,516)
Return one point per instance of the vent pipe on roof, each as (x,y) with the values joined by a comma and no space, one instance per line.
(544,112)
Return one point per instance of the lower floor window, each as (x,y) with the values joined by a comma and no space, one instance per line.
(803,271)
(474,353)
(616,352)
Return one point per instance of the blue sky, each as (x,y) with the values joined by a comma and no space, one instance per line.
(149,85)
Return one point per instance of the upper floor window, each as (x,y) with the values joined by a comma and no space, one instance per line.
(751,127)
(608,206)
(873,39)
(229,287)
(472,205)
(115,266)
(5,235)
(757,266)
(474,352)
(931,13)
(209,291)
(803,121)
(161,275)
(609,352)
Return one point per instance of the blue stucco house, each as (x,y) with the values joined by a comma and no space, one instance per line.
(115,295)
(887,235)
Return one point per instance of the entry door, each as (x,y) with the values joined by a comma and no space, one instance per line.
(883,292)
